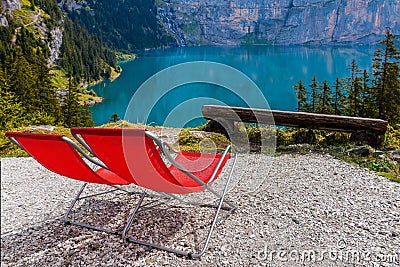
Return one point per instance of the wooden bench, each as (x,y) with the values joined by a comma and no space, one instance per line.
(362,129)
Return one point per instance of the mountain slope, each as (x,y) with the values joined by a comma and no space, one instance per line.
(123,25)
(40,23)
(282,22)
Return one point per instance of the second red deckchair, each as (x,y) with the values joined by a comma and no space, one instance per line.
(135,154)
(61,155)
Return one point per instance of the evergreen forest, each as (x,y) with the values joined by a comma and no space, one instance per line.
(30,89)
(123,25)
(374,94)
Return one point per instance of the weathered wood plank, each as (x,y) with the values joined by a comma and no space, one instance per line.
(295,119)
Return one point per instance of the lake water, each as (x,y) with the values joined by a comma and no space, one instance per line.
(273,69)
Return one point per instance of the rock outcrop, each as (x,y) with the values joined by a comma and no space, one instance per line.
(11,4)
(55,44)
(52,38)
(71,5)
(6,7)
(282,22)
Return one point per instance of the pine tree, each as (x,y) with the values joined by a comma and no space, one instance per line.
(21,76)
(5,79)
(71,105)
(367,105)
(11,110)
(75,114)
(114,117)
(355,89)
(46,92)
(386,80)
(85,117)
(338,98)
(314,94)
(354,97)
(301,95)
(325,100)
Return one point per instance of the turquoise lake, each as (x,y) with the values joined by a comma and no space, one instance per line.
(273,69)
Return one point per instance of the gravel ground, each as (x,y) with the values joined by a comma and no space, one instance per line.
(311,210)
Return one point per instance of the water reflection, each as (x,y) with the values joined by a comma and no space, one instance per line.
(274,69)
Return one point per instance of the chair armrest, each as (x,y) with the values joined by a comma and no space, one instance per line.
(219,165)
(82,152)
(169,147)
(83,143)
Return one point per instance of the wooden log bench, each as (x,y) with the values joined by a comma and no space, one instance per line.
(362,129)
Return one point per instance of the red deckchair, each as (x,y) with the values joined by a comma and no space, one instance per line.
(129,156)
(135,155)
(59,154)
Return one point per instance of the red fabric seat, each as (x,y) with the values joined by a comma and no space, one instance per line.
(134,156)
(59,156)
(200,164)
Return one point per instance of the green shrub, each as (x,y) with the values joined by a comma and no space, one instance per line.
(391,139)
(254,134)
(189,142)
(335,138)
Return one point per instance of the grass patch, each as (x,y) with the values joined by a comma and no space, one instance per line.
(125,56)
(303,141)
(209,143)
(191,27)
(391,139)
(59,77)
(9,149)
(389,176)
(124,124)
(26,3)
(253,39)
(336,144)
(115,73)
(88,98)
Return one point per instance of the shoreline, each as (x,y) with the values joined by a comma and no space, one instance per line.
(115,75)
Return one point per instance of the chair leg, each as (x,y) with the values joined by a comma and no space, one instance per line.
(176,251)
(132,216)
(67,220)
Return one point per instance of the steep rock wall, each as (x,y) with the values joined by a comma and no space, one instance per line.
(6,7)
(52,38)
(283,22)
(11,4)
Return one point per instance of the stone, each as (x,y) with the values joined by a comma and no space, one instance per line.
(42,127)
(395,155)
(378,154)
(10,5)
(363,151)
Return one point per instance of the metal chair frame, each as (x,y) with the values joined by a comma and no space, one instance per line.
(220,197)
(164,149)
(78,197)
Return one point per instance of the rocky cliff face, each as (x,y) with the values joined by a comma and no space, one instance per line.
(53,37)
(6,7)
(282,22)
(54,44)
(11,4)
